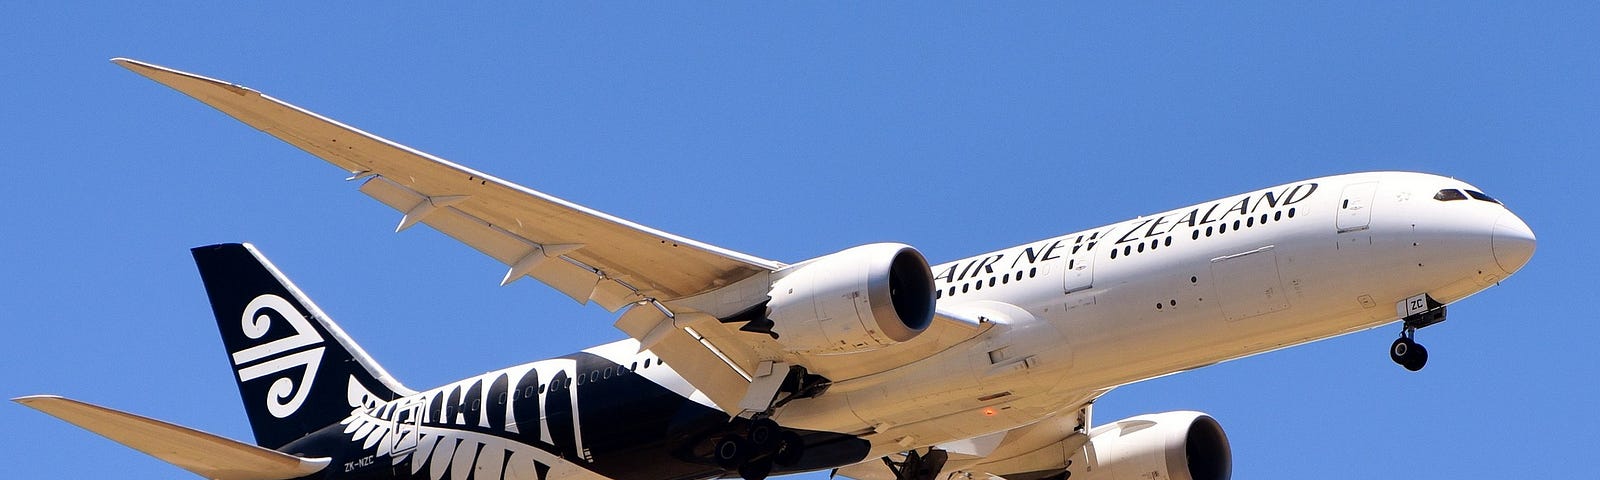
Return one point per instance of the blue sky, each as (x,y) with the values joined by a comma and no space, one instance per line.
(789,132)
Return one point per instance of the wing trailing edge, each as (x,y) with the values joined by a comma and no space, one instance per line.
(616,262)
(207,455)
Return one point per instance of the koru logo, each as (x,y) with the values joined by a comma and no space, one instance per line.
(275,357)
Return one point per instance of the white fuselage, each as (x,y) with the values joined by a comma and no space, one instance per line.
(1077,315)
(1175,291)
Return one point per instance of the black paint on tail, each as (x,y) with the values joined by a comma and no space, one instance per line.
(297,371)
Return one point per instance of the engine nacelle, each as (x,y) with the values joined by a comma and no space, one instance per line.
(859,299)
(1176,445)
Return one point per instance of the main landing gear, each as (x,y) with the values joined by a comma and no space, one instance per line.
(918,466)
(755,453)
(1420,311)
(766,444)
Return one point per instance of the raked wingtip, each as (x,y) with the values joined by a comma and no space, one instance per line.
(27,399)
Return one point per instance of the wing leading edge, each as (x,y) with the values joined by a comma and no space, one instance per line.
(586,254)
(677,287)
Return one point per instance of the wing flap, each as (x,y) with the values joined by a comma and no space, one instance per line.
(657,264)
(706,367)
(585,254)
(526,257)
(207,455)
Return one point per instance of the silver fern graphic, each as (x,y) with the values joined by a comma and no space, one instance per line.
(393,430)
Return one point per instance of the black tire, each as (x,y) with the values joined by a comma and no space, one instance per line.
(763,432)
(1416,358)
(757,470)
(1400,350)
(731,452)
(788,449)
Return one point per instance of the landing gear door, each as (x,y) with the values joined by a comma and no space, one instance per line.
(1080,263)
(406,423)
(1355,208)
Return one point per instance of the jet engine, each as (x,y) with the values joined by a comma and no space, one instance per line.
(1178,445)
(858,299)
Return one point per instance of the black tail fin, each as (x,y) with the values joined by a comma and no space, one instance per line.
(297,371)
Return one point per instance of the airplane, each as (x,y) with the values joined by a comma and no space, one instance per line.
(870,361)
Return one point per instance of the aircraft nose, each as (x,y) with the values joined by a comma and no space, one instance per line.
(1513,242)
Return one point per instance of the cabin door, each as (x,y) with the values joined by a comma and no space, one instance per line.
(1355,208)
(1079,272)
(406,423)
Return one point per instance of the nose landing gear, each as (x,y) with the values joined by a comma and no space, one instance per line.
(1418,311)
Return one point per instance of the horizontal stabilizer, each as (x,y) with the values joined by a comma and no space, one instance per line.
(207,455)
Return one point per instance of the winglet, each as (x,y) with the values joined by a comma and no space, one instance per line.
(207,455)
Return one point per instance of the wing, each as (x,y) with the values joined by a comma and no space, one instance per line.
(585,254)
(207,455)
(678,287)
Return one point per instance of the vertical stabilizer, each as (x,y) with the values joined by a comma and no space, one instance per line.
(297,371)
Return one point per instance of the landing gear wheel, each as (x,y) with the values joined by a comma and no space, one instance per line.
(756,470)
(1408,353)
(731,452)
(1418,358)
(1399,349)
(787,449)
(763,432)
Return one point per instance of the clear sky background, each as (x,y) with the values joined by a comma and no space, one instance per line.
(790,132)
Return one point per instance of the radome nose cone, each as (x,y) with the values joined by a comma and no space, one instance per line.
(1513,243)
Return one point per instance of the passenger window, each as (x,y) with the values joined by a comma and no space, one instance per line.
(1480,196)
(1449,194)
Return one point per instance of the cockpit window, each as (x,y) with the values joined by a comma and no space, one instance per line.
(1481,196)
(1449,194)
